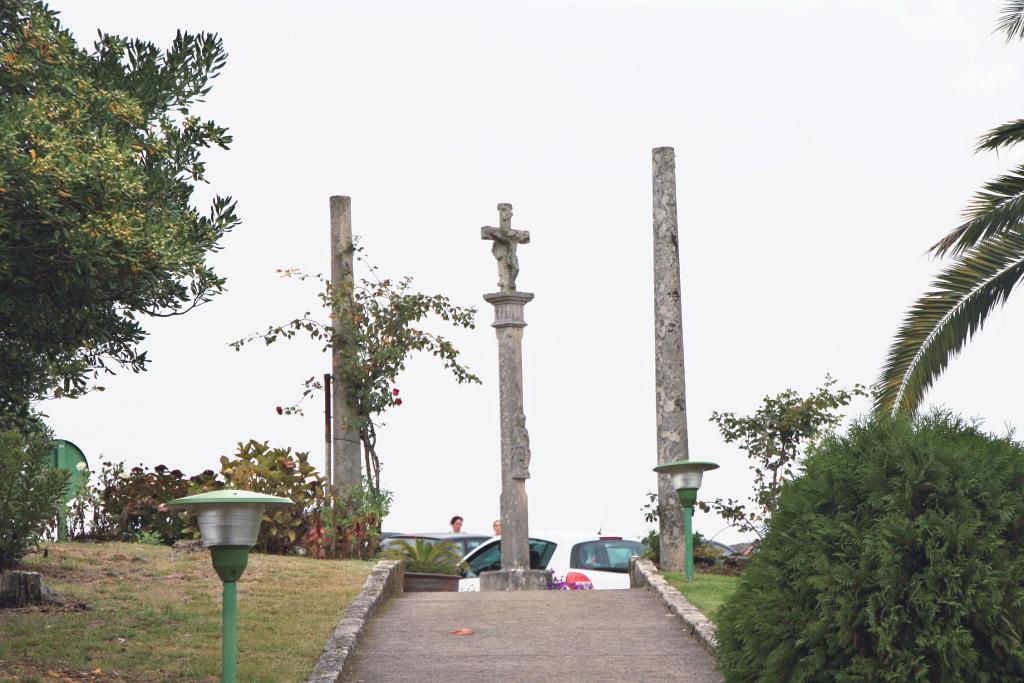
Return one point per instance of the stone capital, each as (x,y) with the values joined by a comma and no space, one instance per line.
(508,308)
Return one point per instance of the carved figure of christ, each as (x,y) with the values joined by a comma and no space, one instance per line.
(506,240)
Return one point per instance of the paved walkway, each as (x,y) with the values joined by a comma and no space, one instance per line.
(549,636)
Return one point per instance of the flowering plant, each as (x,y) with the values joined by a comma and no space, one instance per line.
(374,325)
(557,583)
(124,503)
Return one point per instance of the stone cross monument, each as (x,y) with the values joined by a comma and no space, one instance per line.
(515,573)
(669,377)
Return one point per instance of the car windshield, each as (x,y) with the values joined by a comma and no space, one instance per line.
(607,555)
(489,557)
(472,544)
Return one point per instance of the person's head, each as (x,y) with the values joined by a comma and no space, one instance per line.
(497,527)
(456,523)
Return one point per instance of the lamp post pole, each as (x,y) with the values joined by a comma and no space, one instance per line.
(229,634)
(688,534)
(229,524)
(686,476)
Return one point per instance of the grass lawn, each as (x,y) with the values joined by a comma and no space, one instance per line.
(706,592)
(149,613)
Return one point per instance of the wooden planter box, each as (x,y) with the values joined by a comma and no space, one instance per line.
(430,583)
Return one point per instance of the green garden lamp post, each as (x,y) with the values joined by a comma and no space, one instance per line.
(686,477)
(229,523)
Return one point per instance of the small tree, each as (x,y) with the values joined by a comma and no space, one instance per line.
(29,492)
(379,322)
(775,439)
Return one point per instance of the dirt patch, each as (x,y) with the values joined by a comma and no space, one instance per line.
(187,547)
(9,671)
(58,606)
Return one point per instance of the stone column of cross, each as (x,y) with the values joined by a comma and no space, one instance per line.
(515,573)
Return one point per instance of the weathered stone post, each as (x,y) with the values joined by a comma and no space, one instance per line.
(18,589)
(670,381)
(346,467)
(515,573)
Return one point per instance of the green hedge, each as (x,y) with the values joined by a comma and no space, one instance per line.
(898,556)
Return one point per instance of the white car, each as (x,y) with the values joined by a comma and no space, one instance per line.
(580,561)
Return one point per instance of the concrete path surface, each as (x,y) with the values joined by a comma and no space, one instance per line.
(550,636)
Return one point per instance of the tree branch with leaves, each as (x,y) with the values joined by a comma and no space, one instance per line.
(378,321)
(775,439)
(988,264)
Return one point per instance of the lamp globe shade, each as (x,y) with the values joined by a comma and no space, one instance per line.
(686,476)
(229,517)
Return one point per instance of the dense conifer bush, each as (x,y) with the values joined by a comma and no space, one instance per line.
(898,556)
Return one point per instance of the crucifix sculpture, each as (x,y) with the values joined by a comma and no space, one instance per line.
(506,240)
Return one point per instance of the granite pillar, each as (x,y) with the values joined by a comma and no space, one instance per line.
(346,469)
(670,382)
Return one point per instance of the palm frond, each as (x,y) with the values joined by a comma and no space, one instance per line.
(1011,20)
(1005,136)
(940,323)
(997,208)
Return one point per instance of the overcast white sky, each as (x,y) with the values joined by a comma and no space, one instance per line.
(821,148)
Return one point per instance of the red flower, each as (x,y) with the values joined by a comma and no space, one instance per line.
(289,464)
(280,410)
(394,392)
(162,507)
(398,401)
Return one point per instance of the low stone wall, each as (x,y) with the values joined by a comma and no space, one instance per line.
(643,574)
(384,581)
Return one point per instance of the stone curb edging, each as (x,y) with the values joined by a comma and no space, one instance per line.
(643,574)
(384,581)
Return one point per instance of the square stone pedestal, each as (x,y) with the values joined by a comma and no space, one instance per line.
(514,580)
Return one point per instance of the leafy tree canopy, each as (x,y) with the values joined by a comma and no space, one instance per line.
(99,156)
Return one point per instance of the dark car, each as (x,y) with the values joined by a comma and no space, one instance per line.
(465,543)
(716,549)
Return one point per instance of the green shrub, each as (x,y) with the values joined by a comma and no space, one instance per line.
(131,505)
(277,472)
(898,556)
(150,538)
(125,505)
(652,545)
(352,522)
(29,492)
